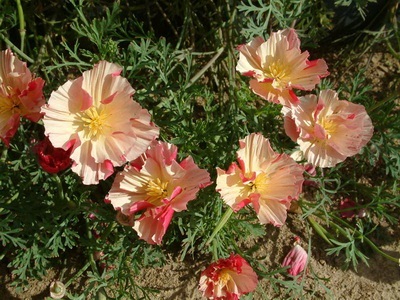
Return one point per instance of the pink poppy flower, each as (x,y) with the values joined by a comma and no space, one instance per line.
(159,186)
(327,129)
(228,279)
(278,66)
(20,95)
(264,178)
(296,259)
(95,114)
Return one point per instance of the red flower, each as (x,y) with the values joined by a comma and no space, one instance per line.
(228,279)
(52,160)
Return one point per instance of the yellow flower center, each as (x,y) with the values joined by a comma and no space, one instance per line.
(94,122)
(260,184)
(277,71)
(156,190)
(224,277)
(329,126)
(10,105)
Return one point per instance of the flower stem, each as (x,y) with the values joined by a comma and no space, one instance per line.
(59,187)
(21,18)
(320,230)
(91,257)
(16,49)
(380,103)
(367,240)
(220,224)
(4,155)
(78,274)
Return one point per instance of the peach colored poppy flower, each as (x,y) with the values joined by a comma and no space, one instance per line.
(264,178)
(228,279)
(20,95)
(95,114)
(158,185)
(278,66)
(327,129)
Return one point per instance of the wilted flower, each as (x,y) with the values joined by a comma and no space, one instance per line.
(57,290)
(52,160)
(264,178)
(278,66)
(228,279)
(346,208)
(296,259)
(125,220)
(20,95)
(157,185)
(327,129)
(95,114)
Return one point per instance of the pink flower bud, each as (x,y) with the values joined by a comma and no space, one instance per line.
(310,169)
(296,259)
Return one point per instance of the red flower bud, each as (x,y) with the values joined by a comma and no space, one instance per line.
(346,207)
(52,160)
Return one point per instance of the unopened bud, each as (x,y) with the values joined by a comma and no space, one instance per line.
(97,255)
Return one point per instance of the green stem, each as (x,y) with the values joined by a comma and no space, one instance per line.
(59,187)
(21,18)
(4,155)
(379,251)
(108,230)
(91,257)
(77,275)
(380,103)
(360,236)
(206,67)
(320,230)
(369,242)
(220,224)
(16,49)
(214,251)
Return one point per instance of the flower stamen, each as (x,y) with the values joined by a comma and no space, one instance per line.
(156,190)
(9,104)
(94,122)
(276,71)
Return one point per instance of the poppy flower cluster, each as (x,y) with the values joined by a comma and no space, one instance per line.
(328,130)
(92,124)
